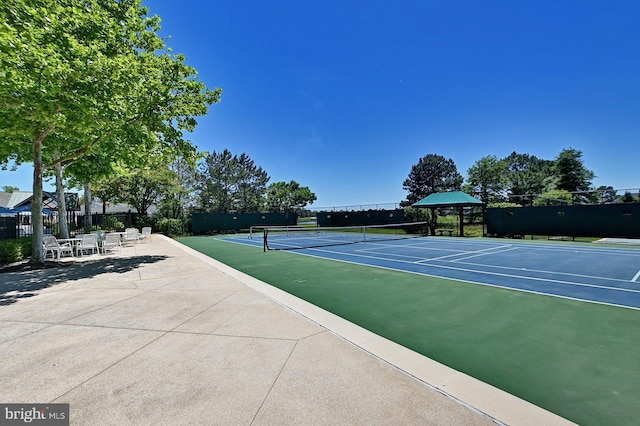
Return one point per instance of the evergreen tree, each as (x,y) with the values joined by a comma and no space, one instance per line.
(433,173)
(527,175)
(230,183)
(571,174)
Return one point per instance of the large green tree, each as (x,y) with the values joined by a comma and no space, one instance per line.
(79,76)
(143,187)
(284,197)
(527,175)
(180,198)
(229,182)
(433,173)
(607,194)
(571,173)
(487,179)
(250,186)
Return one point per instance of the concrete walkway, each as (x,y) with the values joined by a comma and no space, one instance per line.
(161,335)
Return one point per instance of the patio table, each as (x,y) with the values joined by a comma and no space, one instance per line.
(74,243)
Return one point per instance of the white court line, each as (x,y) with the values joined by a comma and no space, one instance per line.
(580,299)
(498,274)
(486,253)
(635,278)
(432,243)
(540,271)
(483,252)
(544,246)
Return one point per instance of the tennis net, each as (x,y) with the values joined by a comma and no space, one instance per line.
(291,238)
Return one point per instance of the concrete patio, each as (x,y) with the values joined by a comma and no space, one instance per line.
(158,334)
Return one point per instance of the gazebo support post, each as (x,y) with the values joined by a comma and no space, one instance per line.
(433,223)
(448,199)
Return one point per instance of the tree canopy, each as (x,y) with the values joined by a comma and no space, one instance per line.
(572,175)
(234,183)
(284,197)
(487,178)
(81,77)
(432,173)
(521,177)
(231,183)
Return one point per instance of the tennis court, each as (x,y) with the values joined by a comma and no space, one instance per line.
(481,306)
(594,274)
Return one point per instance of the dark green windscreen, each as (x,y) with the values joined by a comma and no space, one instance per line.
(606,220)
(216,222)
(358,218)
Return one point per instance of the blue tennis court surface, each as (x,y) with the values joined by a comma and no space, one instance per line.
(594,274)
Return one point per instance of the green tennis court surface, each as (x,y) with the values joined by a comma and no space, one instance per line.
(579,360)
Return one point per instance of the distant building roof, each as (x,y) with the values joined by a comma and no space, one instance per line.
(15,198)
(12,200)
(96,207)
(5,198)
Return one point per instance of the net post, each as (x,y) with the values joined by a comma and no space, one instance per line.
(264,240)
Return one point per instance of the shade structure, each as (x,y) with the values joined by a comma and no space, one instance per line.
(6,211)
(449,199)
(27,208)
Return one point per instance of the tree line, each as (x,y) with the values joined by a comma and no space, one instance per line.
(93,97)
(218,182)
(517,179)
(89,89)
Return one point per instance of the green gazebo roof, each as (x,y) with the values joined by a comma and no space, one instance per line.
(448,199)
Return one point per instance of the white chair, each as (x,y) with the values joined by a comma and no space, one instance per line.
(145,234)
(111,242)
(89,242)
(130,235)
(51,245)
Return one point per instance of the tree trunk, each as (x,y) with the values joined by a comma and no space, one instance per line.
(88,220)
(62,205)
(37,252)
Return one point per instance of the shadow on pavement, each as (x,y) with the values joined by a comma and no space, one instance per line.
(23,280)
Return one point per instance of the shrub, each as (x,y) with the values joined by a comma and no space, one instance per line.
(142,221)
(502,205)
(171,227)
(14,250)
(112,223)
(554,198)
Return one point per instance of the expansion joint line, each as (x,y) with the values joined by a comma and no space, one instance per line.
(284,364)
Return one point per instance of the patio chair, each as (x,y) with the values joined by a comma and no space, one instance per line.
(51,245)
(89,242)
(130,236)
(145,234)
(111,242)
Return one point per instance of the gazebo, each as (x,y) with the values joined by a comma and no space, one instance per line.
(449,199)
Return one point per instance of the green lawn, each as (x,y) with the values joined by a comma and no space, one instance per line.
(578,360)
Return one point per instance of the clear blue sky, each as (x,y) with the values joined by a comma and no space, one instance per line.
(345,96)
